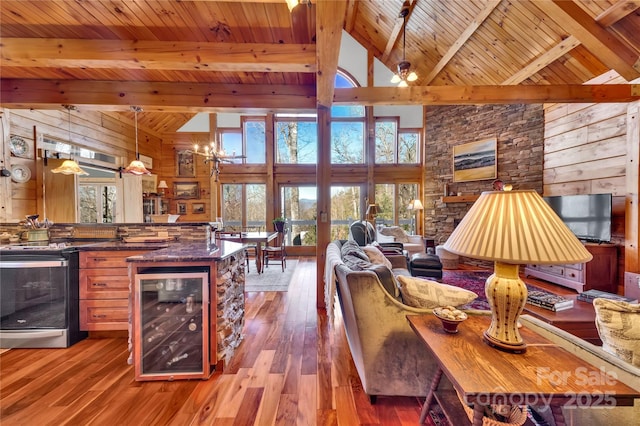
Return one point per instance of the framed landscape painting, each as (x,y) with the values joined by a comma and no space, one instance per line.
(475,161)
(182,190)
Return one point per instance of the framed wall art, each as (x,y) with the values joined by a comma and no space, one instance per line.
(475,161)
(181,208)
(184,190)
(197,208)
(185,163)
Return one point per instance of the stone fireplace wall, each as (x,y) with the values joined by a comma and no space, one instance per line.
(519,130)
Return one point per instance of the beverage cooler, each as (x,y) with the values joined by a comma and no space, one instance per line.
(171,326)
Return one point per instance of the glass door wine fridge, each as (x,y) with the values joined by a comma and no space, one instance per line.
(171,326)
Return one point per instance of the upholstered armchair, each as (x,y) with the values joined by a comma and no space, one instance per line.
(412,243)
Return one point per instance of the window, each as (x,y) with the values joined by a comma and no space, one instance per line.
(299,205)
(408,146)
(394,200)
(347,142)
(255,141)
(97,203)
(347,128)
(231,143)
(345,209)
(386,132)
(250,142)
(394,145)
(296,142)
(243,205)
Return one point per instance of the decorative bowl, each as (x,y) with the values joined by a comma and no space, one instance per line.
(450,317)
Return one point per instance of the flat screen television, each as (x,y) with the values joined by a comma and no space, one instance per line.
(588,216)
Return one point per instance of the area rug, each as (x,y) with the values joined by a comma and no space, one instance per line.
(474,281)
(272,279)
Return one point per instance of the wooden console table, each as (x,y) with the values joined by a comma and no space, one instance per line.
(483,375)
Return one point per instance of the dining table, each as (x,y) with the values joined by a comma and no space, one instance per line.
(252,237)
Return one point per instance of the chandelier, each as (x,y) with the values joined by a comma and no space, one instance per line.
(69,167)
(215,157)
(404,73)
(136,167)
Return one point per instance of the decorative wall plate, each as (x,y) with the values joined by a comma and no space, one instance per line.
(20,173)
(19,147)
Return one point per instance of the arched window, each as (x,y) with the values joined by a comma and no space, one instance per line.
(347,127)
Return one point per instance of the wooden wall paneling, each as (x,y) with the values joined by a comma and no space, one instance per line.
(580,115)
(6,200)
(632,219)
(215,197)
(586,152)
(597,169)
(60,194)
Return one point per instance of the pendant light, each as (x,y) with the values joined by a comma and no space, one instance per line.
(69,167)
(136,167)
(404,73)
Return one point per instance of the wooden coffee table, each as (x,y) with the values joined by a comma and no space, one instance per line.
(483,375)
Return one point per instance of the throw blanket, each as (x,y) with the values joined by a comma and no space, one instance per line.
(333,258)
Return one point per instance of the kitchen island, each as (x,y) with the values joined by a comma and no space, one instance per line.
(187,309)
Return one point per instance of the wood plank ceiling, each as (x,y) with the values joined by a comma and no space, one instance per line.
(175,58)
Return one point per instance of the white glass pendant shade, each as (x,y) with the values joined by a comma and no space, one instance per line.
(69,167)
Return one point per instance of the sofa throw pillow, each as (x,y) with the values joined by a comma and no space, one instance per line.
(386,278)
(396,232)
(618,324)
(381,238)
(421,293)
(375,256)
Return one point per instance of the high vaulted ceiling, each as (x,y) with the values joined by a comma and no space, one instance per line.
(176,57)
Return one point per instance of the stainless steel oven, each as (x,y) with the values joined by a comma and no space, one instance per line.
(39,306)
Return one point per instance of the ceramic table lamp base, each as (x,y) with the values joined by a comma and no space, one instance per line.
(507,295)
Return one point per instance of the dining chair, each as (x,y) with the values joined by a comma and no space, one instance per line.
(252,249)
(277,252)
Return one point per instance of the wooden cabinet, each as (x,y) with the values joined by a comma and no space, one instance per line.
(600,273)
(154,205)
(104,290)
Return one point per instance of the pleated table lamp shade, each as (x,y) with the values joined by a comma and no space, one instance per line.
(512,228)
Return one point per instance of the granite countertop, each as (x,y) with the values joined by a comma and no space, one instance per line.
(189,252)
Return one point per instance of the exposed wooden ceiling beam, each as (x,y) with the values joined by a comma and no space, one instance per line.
(603,44)
(459,43)
(543,60)
(616,12)
(464,95)
(154,96)
(160,55)
(330,17)
(161,95)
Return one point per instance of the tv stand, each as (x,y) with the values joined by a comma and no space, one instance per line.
(600,273)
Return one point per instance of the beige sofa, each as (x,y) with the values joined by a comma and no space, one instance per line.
(389,357)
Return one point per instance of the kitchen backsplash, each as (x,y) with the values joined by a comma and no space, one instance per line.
(69,231)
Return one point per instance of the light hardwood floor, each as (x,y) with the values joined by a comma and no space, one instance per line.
(293,368)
